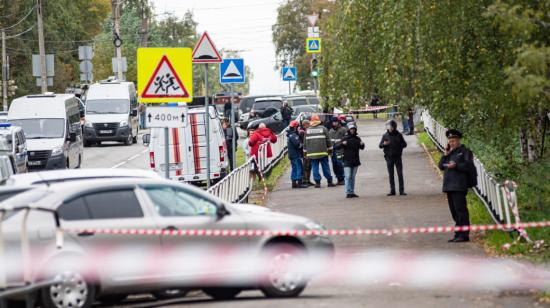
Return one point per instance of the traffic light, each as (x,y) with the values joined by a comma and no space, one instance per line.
(314,69)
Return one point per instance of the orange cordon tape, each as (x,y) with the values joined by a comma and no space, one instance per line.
(333,232)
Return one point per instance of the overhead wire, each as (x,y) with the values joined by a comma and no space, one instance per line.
(20,20)
(21,33)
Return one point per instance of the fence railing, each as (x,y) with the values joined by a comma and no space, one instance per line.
(237,185)
(488,189)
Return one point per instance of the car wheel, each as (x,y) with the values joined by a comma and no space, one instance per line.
(222,293)
(98,143)
(170,293)
(112,299)
(280,282)
(87,144)
(72,290)
(128,140)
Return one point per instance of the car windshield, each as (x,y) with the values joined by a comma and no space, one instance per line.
(306,108)
(246,104)
(41,128)
(101,106)
(299,102)
(266,104)
(314,101)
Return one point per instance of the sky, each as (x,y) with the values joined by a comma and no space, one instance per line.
(243,25)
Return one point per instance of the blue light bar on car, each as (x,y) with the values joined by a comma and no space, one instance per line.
(5,125)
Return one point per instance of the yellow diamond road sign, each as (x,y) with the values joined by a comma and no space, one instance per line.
(165,75)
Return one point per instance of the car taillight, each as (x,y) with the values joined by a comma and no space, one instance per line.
(222,152)
(152,159)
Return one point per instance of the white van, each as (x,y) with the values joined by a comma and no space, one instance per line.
(111,113)
(51,124)
(187,148)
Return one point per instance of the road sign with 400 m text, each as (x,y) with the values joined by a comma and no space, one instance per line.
(162,117)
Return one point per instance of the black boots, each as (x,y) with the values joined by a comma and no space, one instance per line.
(299,184)
(330,184)
(318,184)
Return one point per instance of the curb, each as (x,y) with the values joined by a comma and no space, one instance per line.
(432,161)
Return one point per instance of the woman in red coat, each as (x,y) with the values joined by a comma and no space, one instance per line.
(259,137)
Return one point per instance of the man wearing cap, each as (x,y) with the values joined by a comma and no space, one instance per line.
(456,164)
(336,133)
(393,144)
(351,144)
(295,154)
(318,147)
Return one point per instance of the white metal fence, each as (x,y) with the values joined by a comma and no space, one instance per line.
(488,189)
(237,185)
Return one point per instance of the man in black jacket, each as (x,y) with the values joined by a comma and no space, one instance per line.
(457,162)
(351,144)
(393,144)
(286,113)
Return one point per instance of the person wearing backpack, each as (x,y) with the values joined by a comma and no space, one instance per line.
(459,174)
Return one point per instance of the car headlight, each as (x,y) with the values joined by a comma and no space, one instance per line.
(123,123)
(88,124)
(57,151)
(312,225)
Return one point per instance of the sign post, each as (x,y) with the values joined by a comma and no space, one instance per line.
(289,74)
(165,75)
(231,72)
(205,52)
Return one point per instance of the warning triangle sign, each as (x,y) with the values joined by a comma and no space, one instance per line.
(232,71)
(205,51)
(164,82)
(289,74)
(313,45)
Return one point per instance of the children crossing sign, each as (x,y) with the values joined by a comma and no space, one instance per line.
(232,71)
(313,45)
(165,75)
(289,73)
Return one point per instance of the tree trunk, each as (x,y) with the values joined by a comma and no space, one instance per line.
(523,144)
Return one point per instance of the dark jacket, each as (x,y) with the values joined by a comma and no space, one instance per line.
(230,133)
(286,112)
(336,135)
(394,149)
(351,149)
(456,179)
(295,145)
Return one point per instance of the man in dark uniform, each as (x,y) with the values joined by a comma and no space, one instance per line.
(457,162)
(393,144)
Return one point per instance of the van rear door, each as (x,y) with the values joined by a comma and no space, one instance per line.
(196,146)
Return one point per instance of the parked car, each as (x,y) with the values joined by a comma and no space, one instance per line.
(111,113)
(294,101)
(51,123)
(7,168)
(263,104)
(188,148)
(305,109)
(273,122)
(150,204)
(14,145)
(246,105)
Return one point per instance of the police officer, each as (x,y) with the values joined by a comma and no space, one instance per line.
(393,144)
(457,162)
(336,133)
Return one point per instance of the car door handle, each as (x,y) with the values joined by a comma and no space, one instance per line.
(86,233)
(170,228)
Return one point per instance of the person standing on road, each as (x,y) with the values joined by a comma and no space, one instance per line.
(336,133)
(410,114)
(295,155)
(230,134)
(393,144)
(142,115)
(351,144)
(306,177)
(458,166)
(286,112)
(317,148)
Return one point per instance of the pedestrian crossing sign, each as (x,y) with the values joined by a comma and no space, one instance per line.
(289,73)
(313,45)
(165,75)
(232,71)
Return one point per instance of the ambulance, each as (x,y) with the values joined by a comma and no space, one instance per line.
(187,148)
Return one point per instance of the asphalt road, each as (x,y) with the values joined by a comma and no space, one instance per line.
(425,205)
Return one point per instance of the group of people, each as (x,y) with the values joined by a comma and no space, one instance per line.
(311,144)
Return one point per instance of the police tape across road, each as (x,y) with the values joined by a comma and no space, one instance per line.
(331,232)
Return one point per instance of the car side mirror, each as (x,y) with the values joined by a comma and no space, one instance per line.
(146,139)
(222,212)
(72,137)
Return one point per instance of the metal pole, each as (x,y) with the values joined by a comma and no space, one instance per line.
(4,73)
(234,131)
(119,48)
(289,91)
(166,153)
(41,48)
(207,125)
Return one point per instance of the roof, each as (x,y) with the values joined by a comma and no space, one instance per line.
(53,176)
(105,90)
(269,98)
(24,106)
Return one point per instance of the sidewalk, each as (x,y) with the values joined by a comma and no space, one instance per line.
(425,204)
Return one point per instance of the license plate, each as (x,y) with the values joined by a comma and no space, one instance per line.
(35,163)
(105,131)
